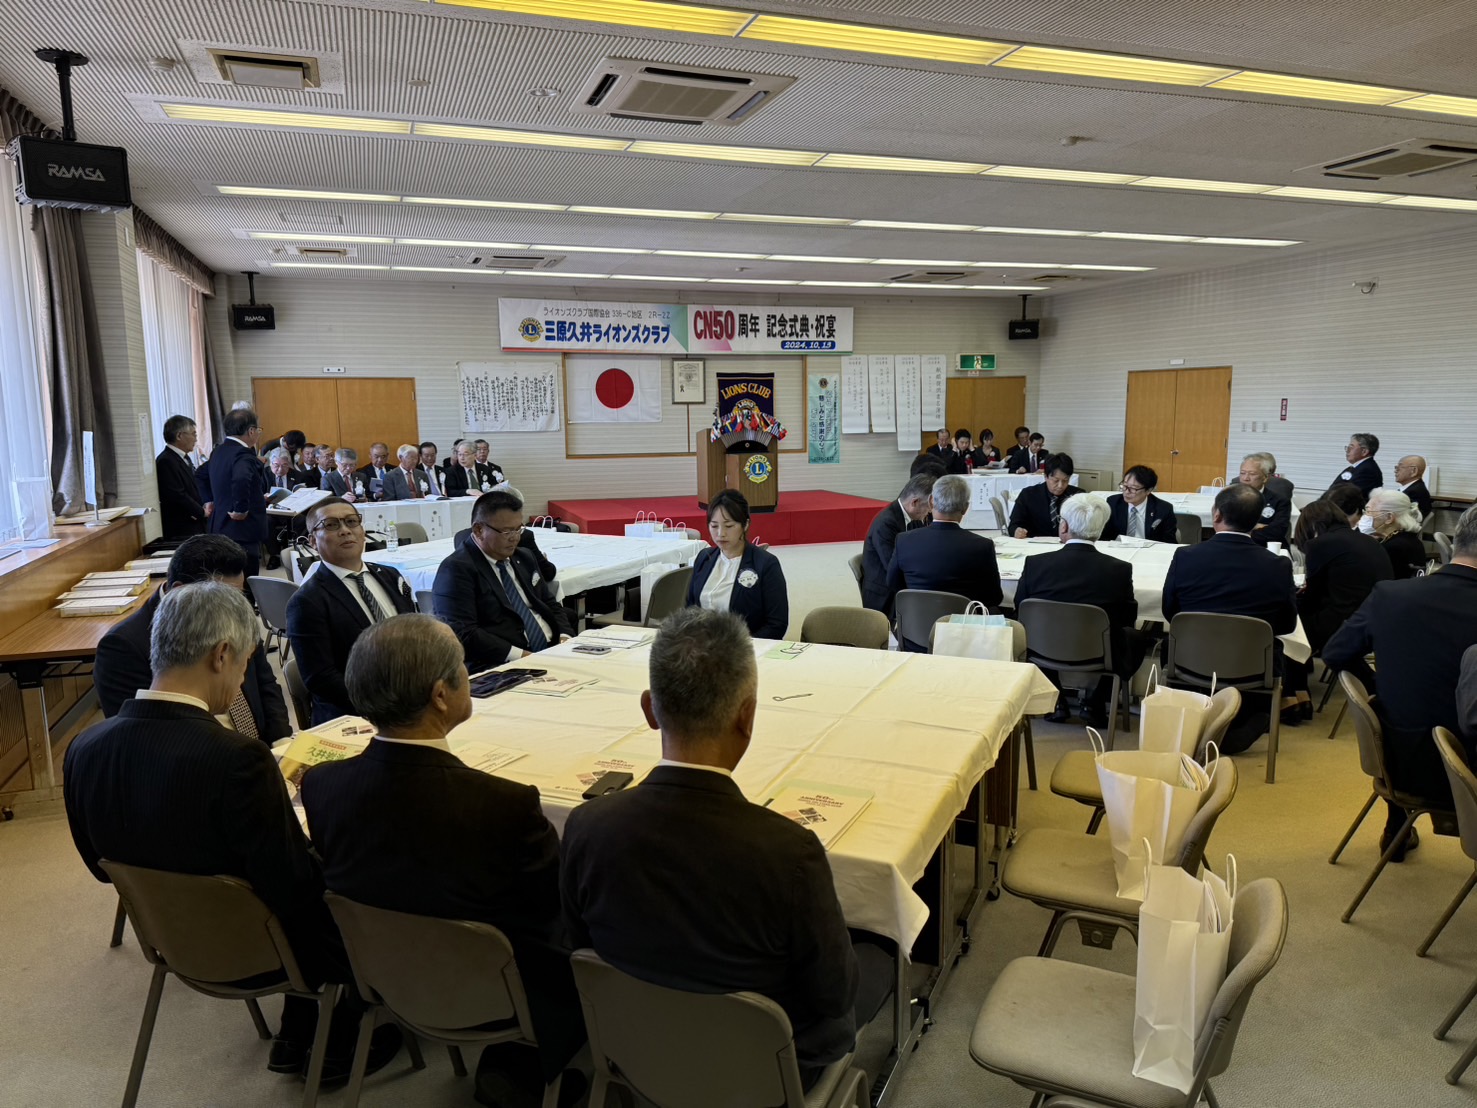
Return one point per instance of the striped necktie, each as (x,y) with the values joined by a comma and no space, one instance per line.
(537,640)
(1136,521)
(376,613)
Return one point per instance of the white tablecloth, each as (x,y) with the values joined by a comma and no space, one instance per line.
(585,561)
(1200,504)
(985,484)
(1150,567)
(917,731)
(441,518)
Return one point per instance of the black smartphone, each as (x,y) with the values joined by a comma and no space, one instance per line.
(611,782)
(490,684)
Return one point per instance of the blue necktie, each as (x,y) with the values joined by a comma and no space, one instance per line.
(536,639)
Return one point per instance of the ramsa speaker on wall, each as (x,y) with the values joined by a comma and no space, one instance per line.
(1024,329)
(253,317)
(55,174)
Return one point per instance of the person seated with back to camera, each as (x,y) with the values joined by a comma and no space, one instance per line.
(1037,510)
(1276,517)
(736,576)
(1393,521)
(1136,512)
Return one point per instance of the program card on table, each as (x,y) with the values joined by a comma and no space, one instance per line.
(828,810)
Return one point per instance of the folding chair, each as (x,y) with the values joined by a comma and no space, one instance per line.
(1188,528)
(1464,792)
(409,533)
(855,564)
(297,692)
(1001,518)
(668,593)
(917,610)
(1074,638)
(1208,648)
(425,601)
(841,626)
(1443,546)
(271,595)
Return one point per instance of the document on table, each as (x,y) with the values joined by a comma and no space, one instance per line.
(488,757)
(618,638)
(572,783)
(552,686)
(828,810)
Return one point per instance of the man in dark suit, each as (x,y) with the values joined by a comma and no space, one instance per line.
(233,486)
(407,481)
(1135,510)
(345,481)
(433,472)
(943,450)
(464,478)
(1466,699)
(281,529)
(1419,630)
(378,469)
(1275,522)
(180,509)
(1079,573)
(341,597)
(961,458)
(903,514)
(162,785)
(122,668)
(1362,471)
(1037,510)
(487,469)
(943,556)
(376,819)
(1030,457)
(684,883)
(491,593)
(1410,476)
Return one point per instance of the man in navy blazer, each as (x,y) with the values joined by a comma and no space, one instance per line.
(341,597)
(903,514)
(1036,505)
(1362,471)
(233,487)
(180,508)
(1410,478)
(122,665)
(943,556)
(1155,521)
(407,481)
(492,594)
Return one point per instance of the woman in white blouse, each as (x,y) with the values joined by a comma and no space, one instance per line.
(736,576)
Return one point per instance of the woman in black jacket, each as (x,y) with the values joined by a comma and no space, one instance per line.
(736,576)
(1396,523)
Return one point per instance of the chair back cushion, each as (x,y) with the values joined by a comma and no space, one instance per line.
(1366,729)
(1071,634)
(1223,708)
(842,626)
(1463,787)
(1258,930)
(302,702)
(919,609)
(668,594)
(1236,649)
(271,595)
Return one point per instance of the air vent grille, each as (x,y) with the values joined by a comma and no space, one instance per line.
(324,253)
(628,89)
(241,67)
(931,276)
(1413,158)
(519,261)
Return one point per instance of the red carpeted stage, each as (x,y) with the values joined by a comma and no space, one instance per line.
(805,516)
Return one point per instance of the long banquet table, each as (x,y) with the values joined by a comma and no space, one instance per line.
(984,484)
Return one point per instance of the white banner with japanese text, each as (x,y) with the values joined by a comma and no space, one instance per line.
(510,396)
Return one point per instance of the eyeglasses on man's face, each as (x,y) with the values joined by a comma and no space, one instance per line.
(334,524)
(505,532)
(1131,488)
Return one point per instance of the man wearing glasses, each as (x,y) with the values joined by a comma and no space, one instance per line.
(340,598)
(233,486)
(492,594)
(1137,512)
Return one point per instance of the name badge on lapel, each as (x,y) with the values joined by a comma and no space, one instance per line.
(748,578)
(1267,511)
(535,580)
(1347,475)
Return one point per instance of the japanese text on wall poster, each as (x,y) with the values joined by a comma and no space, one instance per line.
(509,396)
(606,326)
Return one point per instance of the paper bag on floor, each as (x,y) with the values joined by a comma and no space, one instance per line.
(1171,719)
(1184,941)
(1147,795)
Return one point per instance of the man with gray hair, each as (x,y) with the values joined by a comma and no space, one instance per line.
(1078,572)
(905,513)
(1362,471)
(943,556)
(1276,516)
(1418,629)
(757,909)
(342,480)
(162,785)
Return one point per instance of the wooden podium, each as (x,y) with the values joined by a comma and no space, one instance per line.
(756,475)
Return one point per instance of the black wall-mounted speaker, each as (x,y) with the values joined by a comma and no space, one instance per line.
(55,174)
(1024,329)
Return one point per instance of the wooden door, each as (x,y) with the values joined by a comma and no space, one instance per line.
(379,409)
(1148,429)
(998,403)
(306,404)
(1177,422)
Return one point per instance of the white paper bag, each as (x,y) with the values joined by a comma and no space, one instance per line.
(643,528)
(1147,795)
(975,634)
(649,575)
(1171,719)
(1184,940)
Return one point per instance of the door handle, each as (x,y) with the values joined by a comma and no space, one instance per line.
(1174,453)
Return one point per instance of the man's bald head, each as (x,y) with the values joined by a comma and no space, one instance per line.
(1410,468)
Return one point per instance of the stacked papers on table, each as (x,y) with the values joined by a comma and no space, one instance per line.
(552,686)
(618,638)
(573,782)
(98,606)
(134,580)
(108,592)
(828,810)
(157,566)
(488,757)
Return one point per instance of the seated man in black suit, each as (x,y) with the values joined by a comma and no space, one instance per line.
(962,458)
(1014,454)
(1135,511)
(376,819)
(1274,525)
(943,448)
(489,470)
(1419,629)
(943,556)
(1079,573)
(927,463)
(281,530)
(684,883)
(258,709)
(1362,470)
(344,480)
(378,469)
(341,597)
(492,594)
(1037,510)
(180,509)
(1466,699)
(430,470)
(903,514)
(1030,458)
(162,785)
(1410,477)
(463,477)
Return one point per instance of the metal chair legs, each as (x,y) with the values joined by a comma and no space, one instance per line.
(1274,730)
(1454,1074)
(1096,821)
(1030,757)
(257,1019)
(1349,834)
(118,921)
(1338,719)
(458,1066)
(146,1034)
(1395,844)
(1451,908)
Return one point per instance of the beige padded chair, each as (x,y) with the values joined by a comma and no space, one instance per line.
(668,593)
(297,693)
(451,981)
(1072,873)
(271,595)
(210,932)
(1464,793)
(917,610)
(841,626)
(1002,515)
(425,601)
(1064,1028)
(854,563)
(1075,773)
(698,1050)
(1188,528)
(409,533)
(1073,638)
(1443,546)
(1372,761)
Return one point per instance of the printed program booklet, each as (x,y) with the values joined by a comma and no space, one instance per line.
(550,685)
(333,741)
(828,810)
(572,783)
(488,757)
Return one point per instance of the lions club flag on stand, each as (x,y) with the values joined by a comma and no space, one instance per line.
(614,389)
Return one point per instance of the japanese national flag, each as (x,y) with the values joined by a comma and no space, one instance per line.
(613,388)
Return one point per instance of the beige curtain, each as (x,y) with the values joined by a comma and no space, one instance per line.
(160,245)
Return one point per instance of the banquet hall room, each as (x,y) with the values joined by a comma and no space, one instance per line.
(1162,235)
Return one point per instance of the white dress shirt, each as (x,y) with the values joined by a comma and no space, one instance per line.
(181,453)
(172,698)
(437,744)
(376,590)
(718,590)
(693,765)
(514,652)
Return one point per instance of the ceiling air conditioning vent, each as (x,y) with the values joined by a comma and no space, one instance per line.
(325,253)
(1413,158)
(931,276)
(626,89)
(242,67)
(305,218)
(1054,278)
(518,261)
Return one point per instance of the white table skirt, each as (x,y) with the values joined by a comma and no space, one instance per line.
(985,484)
(441,518)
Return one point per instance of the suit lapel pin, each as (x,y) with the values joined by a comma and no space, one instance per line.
(748,578)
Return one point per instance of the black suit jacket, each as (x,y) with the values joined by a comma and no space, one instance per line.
(1033,511)
(1079,573)
(1276,518)
(886,526)
(1230,573)
(1420,496)
(946,558)
(456,481)
(1366,475)
(1342,567)
(235,481)
(180,510)
(333,481)
(164,786)
(490,472)
(1159,522)
(684,883)
(1407,554)
(1466,697)
(942,453)
(122,668)
(764,605)
(470,600)
(1021,458)
(323,623)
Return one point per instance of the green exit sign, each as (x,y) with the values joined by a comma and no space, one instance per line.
(976,361)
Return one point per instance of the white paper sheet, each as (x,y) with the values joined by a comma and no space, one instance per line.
(855,412)
(880,391)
